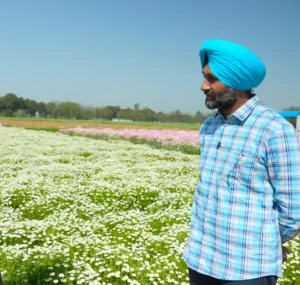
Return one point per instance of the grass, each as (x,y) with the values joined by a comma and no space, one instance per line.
(64,123)
(52,130)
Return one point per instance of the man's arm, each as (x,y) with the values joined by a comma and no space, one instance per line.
(283,161)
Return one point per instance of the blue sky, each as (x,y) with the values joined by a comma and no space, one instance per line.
(121,52)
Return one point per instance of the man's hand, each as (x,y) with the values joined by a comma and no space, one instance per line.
(285,252)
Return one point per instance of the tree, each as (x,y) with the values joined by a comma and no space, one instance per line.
(20,113)
(51,109)
(107,113)
(12,105)
(87,113)
(136,107)
(126,114)
(198,118)
(31,107)
(12,102)
(160,117)
(69,110)
(292,108)
(175,116)
(145,115)
(42,109)
(7,113)
(3,105)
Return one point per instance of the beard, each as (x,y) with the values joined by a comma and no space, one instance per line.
(221,101)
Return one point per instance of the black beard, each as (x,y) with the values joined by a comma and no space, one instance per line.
(224,100)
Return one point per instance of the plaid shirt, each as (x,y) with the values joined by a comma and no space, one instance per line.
(247,202)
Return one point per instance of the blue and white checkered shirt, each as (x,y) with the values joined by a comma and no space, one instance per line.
(247,202)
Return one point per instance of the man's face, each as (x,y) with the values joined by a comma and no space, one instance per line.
(218,95)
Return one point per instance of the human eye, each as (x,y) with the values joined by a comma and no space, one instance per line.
(211,78)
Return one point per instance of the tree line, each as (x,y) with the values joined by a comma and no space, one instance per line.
(13,106)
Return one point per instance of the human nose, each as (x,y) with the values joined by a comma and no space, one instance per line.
(205,86)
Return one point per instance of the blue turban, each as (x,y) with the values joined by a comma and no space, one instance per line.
(234,65)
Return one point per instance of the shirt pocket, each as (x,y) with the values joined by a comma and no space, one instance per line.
(248,171)
(241,168)
(244,169)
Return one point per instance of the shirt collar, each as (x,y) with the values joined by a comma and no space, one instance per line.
(244,111)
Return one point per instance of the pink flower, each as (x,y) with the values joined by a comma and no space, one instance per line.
(165,136)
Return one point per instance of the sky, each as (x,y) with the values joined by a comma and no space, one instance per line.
(122,52)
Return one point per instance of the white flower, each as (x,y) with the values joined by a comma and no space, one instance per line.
(122,206)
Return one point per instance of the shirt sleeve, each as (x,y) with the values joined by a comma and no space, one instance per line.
(283,161)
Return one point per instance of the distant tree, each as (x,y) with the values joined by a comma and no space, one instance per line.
(20,113)
(199,117)
(136,107)
(12,105)
(7,113)
(31,107)
(160,117)
(51,109)
(107,113)
(175,116)
(42,109)
(292,108)
(115,110)
(87,113)
(69,110)
(144,115)
(3,105)
(12,102)
(126,114)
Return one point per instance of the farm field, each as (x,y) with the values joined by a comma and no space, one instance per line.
(60,124)
(186,141)
(81,211)
(75,210)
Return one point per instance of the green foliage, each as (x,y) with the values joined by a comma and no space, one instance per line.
(34,272)
(107,113)
(18,197)
(20,113)
(87,113)
(52,130)
(12,105)
(92,220)
(188,149)
(86,154)
(69,110)
(7,113)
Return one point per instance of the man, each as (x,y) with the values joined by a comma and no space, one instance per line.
(247,202)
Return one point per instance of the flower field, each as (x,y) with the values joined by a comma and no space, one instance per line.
(75,210)
(81,211)
(165,136)
(186,141)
